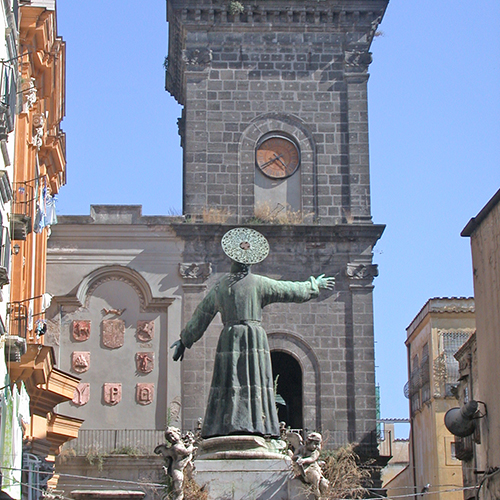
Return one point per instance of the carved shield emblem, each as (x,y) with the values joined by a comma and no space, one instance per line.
(145,331)
(144,361)
(113,333)
(80,361)
(82,394)
(81,330)
(144,393)
(112,393)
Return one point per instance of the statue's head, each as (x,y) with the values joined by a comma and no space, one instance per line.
(172,434)
(314,440)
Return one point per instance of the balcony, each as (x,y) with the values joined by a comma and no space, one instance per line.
(22,210)
(18,319)
(464,448)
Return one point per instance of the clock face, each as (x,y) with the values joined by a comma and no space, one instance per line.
(277,157)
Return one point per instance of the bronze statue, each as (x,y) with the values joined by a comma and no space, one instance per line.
(241,399)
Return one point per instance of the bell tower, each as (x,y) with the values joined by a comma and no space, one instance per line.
(275,104)
(274,96)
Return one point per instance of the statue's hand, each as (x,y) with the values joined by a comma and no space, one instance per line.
(327,283)
(179,350)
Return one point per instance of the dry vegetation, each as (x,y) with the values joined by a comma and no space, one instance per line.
(264,213)
(192,491)
(348,479)
(210,215)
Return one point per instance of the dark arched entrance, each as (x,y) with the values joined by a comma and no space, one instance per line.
(289,374)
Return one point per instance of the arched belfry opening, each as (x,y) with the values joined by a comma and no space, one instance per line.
(289,373)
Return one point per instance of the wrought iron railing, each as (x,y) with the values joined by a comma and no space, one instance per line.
(18,319)
(144,441)
(464,448)
(23,198)
(116,441)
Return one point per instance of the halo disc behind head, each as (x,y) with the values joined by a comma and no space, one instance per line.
(245,245)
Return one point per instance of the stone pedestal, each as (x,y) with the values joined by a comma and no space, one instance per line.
(240,479)
(243,468)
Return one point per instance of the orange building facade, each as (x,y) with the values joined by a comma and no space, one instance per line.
(39,171)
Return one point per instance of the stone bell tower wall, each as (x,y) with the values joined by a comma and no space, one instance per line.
(278,66)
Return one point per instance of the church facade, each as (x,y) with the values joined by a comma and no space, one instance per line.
(274,131)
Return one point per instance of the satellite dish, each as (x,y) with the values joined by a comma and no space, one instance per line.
(460,421)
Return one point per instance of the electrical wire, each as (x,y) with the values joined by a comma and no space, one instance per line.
(485,477)
(159,485)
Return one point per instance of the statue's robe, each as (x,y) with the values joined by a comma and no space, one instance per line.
(241,399)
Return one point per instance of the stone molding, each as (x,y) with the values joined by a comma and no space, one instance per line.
(361,271)
(125,274)
(355,16)
(282,13)
(195,270)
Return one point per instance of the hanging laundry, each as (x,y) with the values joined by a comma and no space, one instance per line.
(39,223)
(51,215)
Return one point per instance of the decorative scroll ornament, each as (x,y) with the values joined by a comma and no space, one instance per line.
(144,361)
(357,59)
(113,333)
(80,361)
(144,393)
(195,270)
(116,312)
(38,124)
(81,330)
(30,94)
(145,331)
(197,56)
(362,271)
(112,393)
(245,245)
(82,394)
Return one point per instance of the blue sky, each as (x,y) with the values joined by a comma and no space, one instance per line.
(434,107)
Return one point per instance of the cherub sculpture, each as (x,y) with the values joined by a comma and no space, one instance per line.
(178,455)
(305,458)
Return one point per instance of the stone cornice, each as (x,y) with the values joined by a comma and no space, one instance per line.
(442,305)
(314,234)
(357,20)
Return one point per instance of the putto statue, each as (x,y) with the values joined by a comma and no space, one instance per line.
(178,455)
(241,399)
(305,461)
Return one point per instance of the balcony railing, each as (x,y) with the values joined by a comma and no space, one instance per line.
(22,210)
(464,448)
(18,319)
(107,441)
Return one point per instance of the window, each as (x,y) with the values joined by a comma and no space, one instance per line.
(452,341)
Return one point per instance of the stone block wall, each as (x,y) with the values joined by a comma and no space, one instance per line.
(276,68)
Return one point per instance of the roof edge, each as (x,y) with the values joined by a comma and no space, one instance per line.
(474,223)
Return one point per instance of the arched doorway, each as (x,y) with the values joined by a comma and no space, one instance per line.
(289,374)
